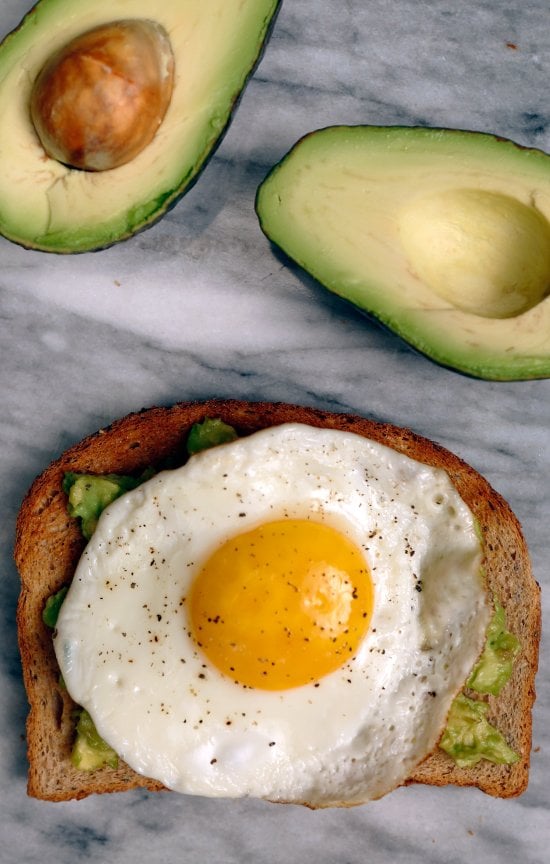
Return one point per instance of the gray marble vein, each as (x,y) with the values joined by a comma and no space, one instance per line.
(200,305)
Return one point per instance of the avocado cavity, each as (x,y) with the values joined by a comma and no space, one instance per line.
(484,252)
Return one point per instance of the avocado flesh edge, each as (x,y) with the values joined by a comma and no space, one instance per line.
(332,205)
(48,206)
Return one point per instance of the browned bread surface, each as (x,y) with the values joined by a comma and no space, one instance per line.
(49,544)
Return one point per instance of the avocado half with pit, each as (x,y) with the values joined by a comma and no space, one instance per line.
(441,235)
(108,111)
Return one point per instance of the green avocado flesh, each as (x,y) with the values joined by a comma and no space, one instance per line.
(90,494)
(90,751)
(210,433)
(494,667)
(469,737)
(47,205)
(441,235)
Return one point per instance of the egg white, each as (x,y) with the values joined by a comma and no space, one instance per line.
(126,655)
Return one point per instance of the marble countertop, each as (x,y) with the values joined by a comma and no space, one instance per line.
(200,306)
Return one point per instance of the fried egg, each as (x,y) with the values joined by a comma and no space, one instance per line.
(288,616)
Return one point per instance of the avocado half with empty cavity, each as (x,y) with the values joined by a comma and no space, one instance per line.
(109,111)
(441,235)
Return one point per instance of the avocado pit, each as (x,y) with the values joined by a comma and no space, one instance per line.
(484,252)
(99,101)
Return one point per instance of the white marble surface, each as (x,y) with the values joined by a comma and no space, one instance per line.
(199,305)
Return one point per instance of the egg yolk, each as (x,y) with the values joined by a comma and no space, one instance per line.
(282,605)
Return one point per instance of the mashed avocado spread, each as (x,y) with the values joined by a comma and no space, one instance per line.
(90,494)
(90,751)
(494,667)
(468,737)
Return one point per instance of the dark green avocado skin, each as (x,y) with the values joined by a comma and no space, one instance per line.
(165,202)
(486,364)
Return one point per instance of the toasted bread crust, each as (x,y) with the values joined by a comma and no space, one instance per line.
(49,544)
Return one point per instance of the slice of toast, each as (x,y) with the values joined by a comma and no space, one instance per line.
(49,544)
